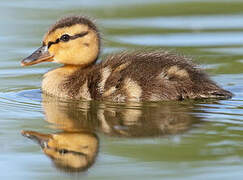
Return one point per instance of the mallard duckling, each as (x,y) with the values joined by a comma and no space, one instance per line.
(70,151)
(129,76)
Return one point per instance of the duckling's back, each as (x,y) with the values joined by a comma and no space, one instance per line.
(148,76)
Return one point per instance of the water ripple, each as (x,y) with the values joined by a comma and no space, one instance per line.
(180,22)
(183,39)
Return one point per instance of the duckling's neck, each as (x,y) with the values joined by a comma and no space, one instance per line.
(53,80)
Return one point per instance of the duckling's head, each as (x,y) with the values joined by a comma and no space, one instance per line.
(72,40)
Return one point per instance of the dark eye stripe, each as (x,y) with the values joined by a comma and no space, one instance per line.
(51,42)
(79,35)
(65,151)
(71,37)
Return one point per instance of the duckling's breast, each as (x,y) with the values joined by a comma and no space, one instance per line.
(53,81)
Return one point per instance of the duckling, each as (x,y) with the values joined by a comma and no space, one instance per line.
(128,76)
(70,151)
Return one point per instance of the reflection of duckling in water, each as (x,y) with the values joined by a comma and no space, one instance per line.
(70,151)
(150,120)
(139,76)
(75,148)
(128,120)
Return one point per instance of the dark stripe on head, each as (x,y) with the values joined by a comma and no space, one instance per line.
(73,20)
(71,38)
(64,151)
(51,43)
(78,35)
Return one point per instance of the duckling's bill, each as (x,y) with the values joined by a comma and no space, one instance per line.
(40,55)
(41,139)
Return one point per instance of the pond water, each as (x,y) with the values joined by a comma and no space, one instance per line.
(165,140)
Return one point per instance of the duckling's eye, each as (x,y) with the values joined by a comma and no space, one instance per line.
(65,38)
(63,151)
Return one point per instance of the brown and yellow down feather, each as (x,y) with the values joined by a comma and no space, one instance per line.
(143,76)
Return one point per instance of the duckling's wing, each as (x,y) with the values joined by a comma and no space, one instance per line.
(155,76)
